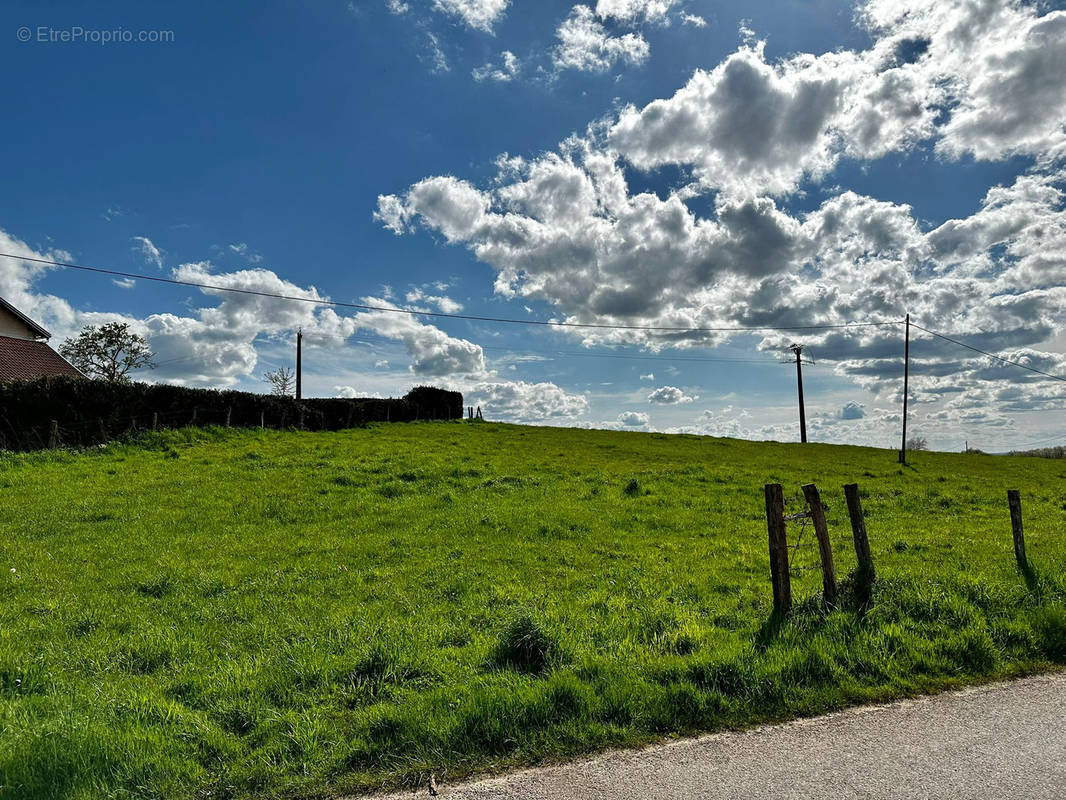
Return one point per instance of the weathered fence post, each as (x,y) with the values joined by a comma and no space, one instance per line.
(103,429)
(825,547)
(301,418)
(775,524)
(155,420)
(1014,500)
(858,531)
(53,435)
(195,410)
(229,414)
(262,420)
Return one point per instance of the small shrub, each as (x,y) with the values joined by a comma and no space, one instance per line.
(632,488)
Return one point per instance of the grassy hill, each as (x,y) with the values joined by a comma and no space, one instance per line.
(238,614)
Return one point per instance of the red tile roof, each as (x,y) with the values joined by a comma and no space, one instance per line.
(21,359)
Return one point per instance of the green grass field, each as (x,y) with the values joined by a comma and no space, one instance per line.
(263,614)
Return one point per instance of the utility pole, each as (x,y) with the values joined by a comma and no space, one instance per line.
(798,350)
(906,388)
(299,363)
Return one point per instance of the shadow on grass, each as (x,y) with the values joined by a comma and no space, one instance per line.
(854,596)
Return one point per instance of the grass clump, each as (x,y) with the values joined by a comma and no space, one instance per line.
(526,646)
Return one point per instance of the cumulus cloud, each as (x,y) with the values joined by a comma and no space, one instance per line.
(996,66)
(519,401)
(585,45)
(433,352)
(566,227)
(670,395)
(350,392)
(442,302)
(853,410)
(150,253)
(480,15)
(633,419)
(634,10)
(218,344)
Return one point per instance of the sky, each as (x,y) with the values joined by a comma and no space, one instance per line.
(682,164)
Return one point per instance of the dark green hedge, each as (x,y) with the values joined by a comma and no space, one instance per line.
(89,412)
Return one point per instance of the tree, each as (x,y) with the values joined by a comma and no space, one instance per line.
(108,352)
(282,380)
(917,443)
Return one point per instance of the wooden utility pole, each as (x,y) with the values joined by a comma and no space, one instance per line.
(299,363)
(798,350)
(906,388)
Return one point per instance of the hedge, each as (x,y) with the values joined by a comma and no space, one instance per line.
(91,411)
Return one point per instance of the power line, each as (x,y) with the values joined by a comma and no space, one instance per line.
(441,314)
(990,355)
(1056,437)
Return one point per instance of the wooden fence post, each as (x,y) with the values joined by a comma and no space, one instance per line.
(53,435)
(301,418)
(155,420)
(825,547)
(1014,500)
(775,524)
(103,429)
(858,531)
(262,420)
(229,414)
(195,410)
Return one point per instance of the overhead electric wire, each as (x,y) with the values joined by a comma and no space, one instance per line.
(1030,445)
(441,314)
(990,355)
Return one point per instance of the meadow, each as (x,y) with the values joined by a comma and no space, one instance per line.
(237,614)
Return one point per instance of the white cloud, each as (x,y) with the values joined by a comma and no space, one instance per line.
(998,64)
(519,401)
(433,352)
(746,126)
(480,15)
(397,6)
(148,251)
(585,45)
(670,395)
(631,11)
(506,71)
(350,392)
(124,283)
(693,20)
(435,54)
(442,302)
(633,419)
(244,251)
(381,363)
(649,377)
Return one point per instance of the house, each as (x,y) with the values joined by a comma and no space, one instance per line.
(24,350)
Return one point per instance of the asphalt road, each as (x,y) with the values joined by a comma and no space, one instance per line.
(1001,741)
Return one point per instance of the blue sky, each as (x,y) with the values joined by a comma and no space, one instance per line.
(635,162)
